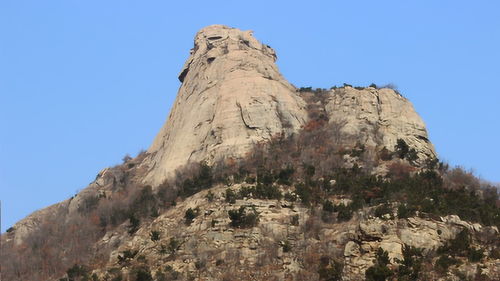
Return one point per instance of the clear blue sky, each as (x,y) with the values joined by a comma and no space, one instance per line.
(82,83)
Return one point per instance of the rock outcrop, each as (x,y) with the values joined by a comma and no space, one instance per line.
(378,118)
(232,96)
(229,253)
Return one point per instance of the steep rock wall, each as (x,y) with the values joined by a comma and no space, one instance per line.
(378,118)
(232,96)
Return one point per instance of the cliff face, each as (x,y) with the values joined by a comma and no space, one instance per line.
(232,96)
(378,118)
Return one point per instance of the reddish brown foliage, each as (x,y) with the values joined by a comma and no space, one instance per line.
(399,169)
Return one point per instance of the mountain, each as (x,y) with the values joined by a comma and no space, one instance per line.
(232,96)
(252,178)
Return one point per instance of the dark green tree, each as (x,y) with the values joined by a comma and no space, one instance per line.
(379,271)
(240,218)
(190,215)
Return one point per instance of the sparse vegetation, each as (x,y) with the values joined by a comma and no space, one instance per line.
(310,167)
(330,269)
(260,191)
(379,271)
(305,89)
(78,272)
(328,206)
(230,196)
(167,274)
(405,211)
(403,151)
(88,204)
(475,255)
(142,274)
(444,262)
(126,257)
(460,246)
(126,158)
(384,211)
(287,246)
(173,245)
(308,184)
(190,215)
(155,235)
(203,179)
(411,266)
(344,212)
(241,218)
(210,196)
(134,224)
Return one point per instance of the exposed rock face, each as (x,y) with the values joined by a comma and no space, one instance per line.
(378,118)
(229,253)
(232,96)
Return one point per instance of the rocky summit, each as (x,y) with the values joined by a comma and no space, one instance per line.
(252,178)
(232,96)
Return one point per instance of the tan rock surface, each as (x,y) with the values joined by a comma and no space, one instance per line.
(232,96)
(378,118)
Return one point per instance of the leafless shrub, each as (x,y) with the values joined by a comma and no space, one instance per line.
(310,257)
(306,275)
(126,158)
(390,86)
(313,224)
(400,170)
(369,160)
(268,254)
(460,178)
(40,257)
(232,256)
(230,275)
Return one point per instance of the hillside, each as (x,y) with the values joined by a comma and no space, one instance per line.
(252,178)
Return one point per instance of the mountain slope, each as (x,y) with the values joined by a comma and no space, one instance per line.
(254,179)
